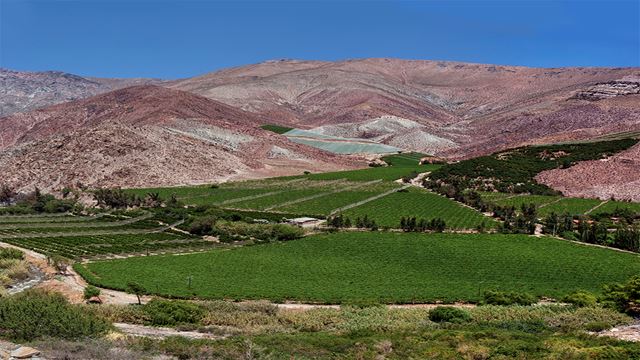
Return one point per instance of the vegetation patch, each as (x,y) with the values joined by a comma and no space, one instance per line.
(513,171)
(380,267)
(276,128)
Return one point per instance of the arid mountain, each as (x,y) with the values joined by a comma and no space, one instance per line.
(24,91)
(474,106)
(146,136)
(451,109)
(616,177)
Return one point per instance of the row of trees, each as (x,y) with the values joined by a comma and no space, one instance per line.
(118,199)
(341,221)
(602,231)
(517,223)
(411,224)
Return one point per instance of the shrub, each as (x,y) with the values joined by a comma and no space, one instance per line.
(165,312)
(597,326)
(449,314)
(91,291)
(494,297)
(624,297)
(35,314)
(581,298)
(11,253)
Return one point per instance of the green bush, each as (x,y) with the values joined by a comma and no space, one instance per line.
(449,314)
(165,312)
(581,298)
(11,253)
(624,297)
(494,297)
(597,326)
(35,314)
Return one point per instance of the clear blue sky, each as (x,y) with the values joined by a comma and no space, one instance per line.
(171,39)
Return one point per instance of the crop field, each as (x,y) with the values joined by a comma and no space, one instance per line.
(326,204)
(381,267)
(405,159)
(388,210)
(493,196)
(75,247)
(573,206)
(611,206)
(520,200)
(388,173)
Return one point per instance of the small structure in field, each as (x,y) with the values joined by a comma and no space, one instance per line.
(303,221)
(432,160)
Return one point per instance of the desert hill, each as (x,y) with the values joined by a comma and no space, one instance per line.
(146,135)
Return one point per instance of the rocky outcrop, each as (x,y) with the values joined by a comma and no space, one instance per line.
(609,90)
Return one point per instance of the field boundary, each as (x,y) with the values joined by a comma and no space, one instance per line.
(77,224)
(373,198)
(315,196)
(595,207)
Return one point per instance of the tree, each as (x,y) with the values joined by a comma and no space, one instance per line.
(60,263)
(136,289)
(7,194)
(91,291)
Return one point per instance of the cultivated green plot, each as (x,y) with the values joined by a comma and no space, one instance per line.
(326,204)
(385,267)
(384,173)
(405,159)
(573,206)
(611,206)
(520,200)
(226,194)
(279,198)
(110,244)
(493,196)
(388,210)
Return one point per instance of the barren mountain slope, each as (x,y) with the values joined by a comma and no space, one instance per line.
(148,136)
(481,107)
(24,91)
(318,93)
(618,177)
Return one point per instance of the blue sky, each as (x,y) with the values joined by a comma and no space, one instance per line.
(172,39)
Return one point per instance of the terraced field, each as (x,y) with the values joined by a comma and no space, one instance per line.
(520,200)
(611,206)
(573,206)
(380,267)
(75,247)
(90,236)
(325,205)
(389,173)
(388,211)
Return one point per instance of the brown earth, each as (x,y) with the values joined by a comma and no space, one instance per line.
(22,91)
(616,177)
(147,136)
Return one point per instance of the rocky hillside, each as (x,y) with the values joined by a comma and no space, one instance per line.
(455,109)
(462,109)
(146,136)
(616,177)
(22,91)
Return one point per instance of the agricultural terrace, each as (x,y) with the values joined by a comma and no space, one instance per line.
(388,210)
(91,236)
(324,194)
(376,267)
(547,204)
